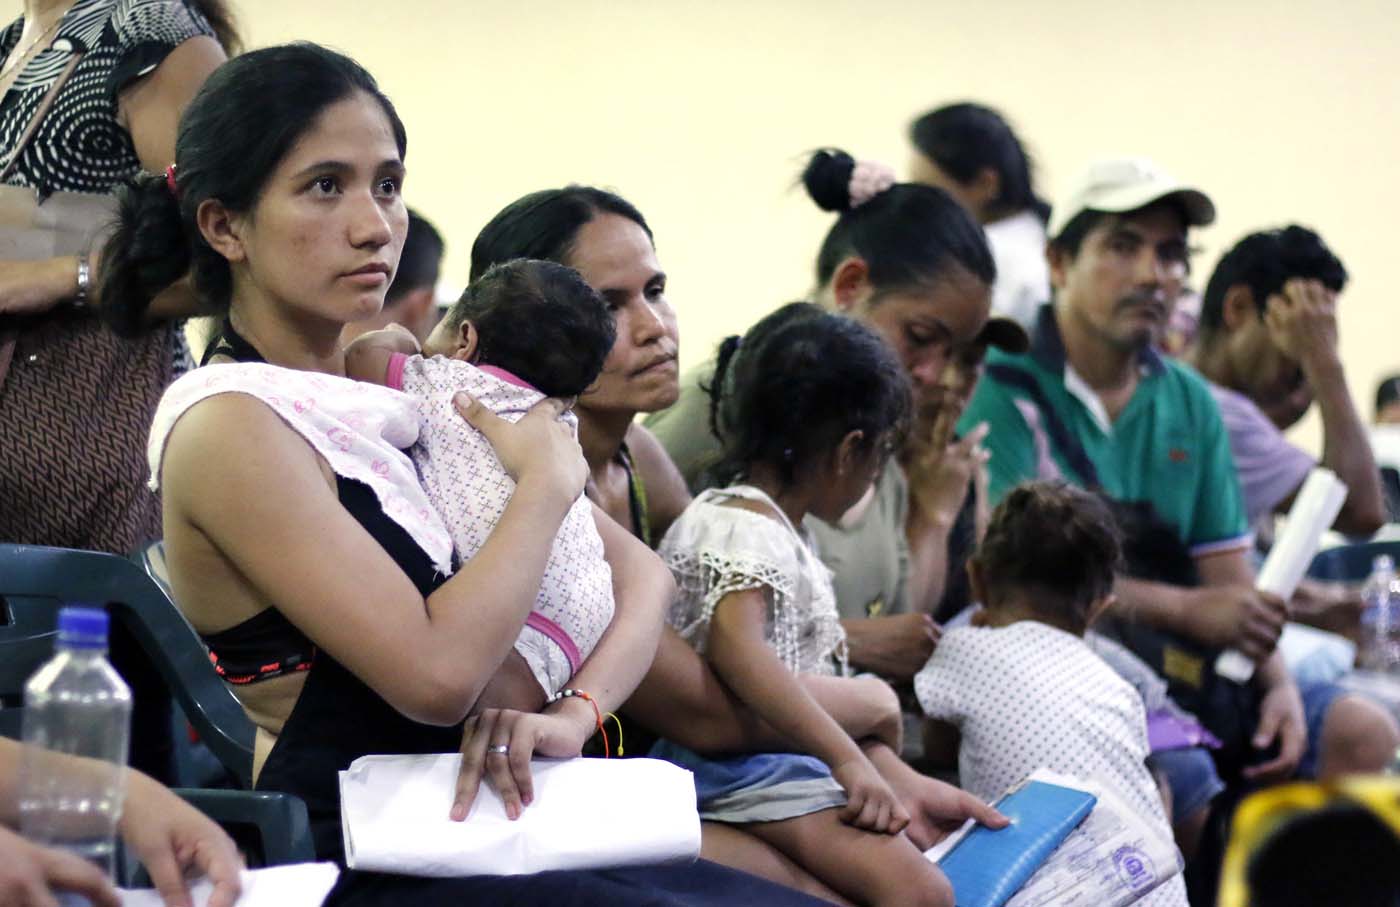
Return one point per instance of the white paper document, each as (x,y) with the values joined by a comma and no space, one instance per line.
(301,885)
(1112,859)
(586,814)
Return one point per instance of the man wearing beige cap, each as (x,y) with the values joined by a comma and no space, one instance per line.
(1094,404)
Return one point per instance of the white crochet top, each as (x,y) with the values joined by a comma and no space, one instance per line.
(714,549)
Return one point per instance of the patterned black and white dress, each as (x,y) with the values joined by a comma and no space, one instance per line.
(80,145)
(72,473)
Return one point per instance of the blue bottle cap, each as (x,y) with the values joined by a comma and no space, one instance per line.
(82,627)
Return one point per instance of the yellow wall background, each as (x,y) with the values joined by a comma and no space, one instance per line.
(700,112)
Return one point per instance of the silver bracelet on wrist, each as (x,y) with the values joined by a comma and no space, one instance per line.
(80,298)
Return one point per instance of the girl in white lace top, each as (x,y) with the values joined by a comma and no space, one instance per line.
(817,405)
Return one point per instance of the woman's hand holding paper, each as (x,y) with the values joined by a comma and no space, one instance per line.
(499,743)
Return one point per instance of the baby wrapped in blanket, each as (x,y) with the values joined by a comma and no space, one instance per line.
(523,331)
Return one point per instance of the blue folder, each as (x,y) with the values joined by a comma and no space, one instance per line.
(987,867)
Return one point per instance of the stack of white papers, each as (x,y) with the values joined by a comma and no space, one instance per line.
(302,885)
(1113,859)
(586,814)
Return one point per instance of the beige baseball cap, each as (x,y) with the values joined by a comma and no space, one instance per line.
(1127,184)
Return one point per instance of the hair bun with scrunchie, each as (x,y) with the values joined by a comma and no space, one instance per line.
(828,179)
(838,182)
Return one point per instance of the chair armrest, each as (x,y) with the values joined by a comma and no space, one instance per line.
(280,819)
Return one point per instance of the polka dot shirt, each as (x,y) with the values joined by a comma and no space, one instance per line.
(1029,696)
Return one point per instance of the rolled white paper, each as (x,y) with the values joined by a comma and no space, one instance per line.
(1313,513)
(586,814)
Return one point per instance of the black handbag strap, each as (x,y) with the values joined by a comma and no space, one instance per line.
(8,336)
(1060,436)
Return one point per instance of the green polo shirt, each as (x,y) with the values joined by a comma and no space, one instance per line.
(1168,446)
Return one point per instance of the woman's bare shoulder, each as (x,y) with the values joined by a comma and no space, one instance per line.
(227,436)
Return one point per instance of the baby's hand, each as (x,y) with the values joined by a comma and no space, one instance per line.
(870,802)
(367,357)
(393,337)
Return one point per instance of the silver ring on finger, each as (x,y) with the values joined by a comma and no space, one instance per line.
(500,749)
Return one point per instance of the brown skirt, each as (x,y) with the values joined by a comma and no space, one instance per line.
(76,404)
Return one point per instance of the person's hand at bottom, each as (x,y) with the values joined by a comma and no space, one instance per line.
(171,837)
(30,875)
(1280,719)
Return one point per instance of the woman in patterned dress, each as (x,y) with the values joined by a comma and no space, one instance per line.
(129,67)
(72,469)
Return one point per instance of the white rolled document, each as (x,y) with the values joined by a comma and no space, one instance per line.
(586,814)
(1313,513)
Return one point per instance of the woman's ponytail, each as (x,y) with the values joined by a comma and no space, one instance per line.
(147,252)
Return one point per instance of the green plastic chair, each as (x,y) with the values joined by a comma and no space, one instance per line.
(36,581)
(283,832)
(270,829)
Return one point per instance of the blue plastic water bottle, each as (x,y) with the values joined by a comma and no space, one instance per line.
(76,705)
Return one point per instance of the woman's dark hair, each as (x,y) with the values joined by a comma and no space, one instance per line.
(1058,541)
(1264,262)
(232,136)
(1387,392)
(965,139)
(543,225)
(222,21)
(540,321)
(908,235)
(805,378)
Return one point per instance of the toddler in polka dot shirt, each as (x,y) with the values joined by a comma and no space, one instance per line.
(1019,689)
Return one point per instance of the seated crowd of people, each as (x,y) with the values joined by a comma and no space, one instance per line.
(985,502)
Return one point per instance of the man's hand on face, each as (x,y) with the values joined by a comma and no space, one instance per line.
(1302,320)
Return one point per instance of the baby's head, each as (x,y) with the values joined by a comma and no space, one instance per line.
(537,320)
(1051,550)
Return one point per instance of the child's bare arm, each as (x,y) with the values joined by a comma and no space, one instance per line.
(865,707)
(682,699)
(367,357)
(744,660)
